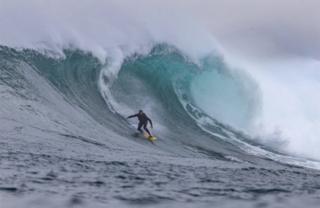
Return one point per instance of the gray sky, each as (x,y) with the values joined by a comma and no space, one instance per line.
(264,27)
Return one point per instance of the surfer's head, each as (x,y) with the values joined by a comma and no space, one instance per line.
(140,111)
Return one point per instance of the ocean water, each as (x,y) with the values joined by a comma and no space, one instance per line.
(233,130)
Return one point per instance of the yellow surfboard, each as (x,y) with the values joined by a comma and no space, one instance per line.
(150,138)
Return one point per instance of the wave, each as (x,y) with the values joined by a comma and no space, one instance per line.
(162,83)
(274,100)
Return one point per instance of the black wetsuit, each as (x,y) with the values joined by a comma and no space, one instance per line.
(143,121)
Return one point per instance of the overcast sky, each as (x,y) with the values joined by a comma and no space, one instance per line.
(252,26)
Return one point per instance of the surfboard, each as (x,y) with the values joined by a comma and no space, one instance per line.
(145,136)
(150,138)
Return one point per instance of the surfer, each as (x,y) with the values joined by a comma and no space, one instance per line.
(143,121)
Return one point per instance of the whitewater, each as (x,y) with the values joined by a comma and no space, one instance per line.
(231,87)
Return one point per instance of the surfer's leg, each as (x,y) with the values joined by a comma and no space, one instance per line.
(139,127)
(146,129)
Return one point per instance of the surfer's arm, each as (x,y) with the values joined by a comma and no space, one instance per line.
(150,122)
(135,115)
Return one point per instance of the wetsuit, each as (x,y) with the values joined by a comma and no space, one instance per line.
(143,121)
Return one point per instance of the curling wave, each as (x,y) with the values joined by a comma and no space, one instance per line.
(167,85)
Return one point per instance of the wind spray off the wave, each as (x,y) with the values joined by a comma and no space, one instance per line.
(231,89)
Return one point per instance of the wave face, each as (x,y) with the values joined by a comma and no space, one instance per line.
(159,83)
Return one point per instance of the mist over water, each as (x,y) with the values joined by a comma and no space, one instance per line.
(274,44)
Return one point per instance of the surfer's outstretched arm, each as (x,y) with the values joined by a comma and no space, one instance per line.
(135,115)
